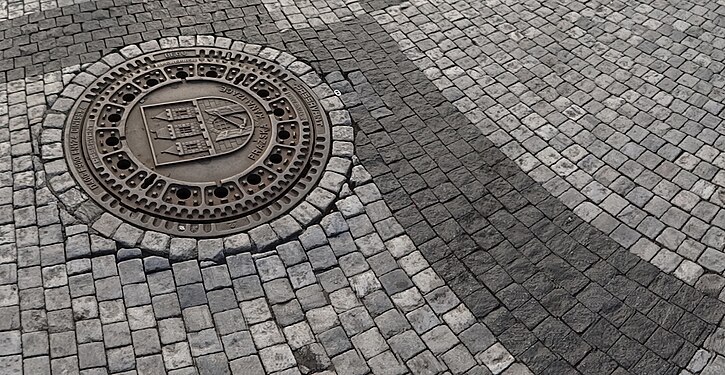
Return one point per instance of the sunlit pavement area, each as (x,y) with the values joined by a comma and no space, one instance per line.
(515,187)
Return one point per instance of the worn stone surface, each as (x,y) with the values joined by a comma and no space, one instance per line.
(535,188)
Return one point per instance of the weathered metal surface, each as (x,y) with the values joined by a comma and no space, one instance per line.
(198,141)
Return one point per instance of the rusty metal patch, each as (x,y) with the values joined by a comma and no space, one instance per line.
(198,142)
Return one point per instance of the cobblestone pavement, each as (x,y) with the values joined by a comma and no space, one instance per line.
(535,190)
(617,111)
(16,8)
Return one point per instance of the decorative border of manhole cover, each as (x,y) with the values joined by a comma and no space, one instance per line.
(115,100)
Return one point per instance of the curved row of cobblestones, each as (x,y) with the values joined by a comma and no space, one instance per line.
(445,258)
(614,107)
(352,282)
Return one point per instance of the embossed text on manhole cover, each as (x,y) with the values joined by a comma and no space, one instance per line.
(198,142)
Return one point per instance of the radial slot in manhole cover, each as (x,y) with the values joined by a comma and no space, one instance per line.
(198,142)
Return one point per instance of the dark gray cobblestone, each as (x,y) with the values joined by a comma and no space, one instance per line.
(555,265)
(617,113)
(255,314)
(441,255)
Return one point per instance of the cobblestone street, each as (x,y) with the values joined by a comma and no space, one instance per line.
(493,187)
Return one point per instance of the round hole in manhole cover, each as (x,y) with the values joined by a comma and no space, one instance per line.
(198,142)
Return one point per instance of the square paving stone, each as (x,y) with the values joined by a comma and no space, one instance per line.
(116,334)
(187,272)
(153,364)
(353,264)
(266,334)
(108,289)
(335,341)
(311,297)
(395,281)
(91,355)
(382,263)
(356,320)
(664,343)
(240,265)
(213,364)
(288,312)
(177,355)
(301,275)
(121,359)
(222,300)
(425,362)
(255,311)
(197,318)
(250,365)
(248,288)
(386,363)
(440,339)
(216,277)
(458,359)
(626,351)
(111,311)
(422,319)
(172,330)
(332,280)
(88,330)
(238,344)
(136,295)
(350,363)
(61,344)
(278,291)
(377,303)
(166,305)
(291,253)
(270,268)
(131,271)
(391,323)
(35,343)
(277,358)
(161,282)
(191,295)
(477,338)
(146,342)
(229,321)
(406,344)
(204,342)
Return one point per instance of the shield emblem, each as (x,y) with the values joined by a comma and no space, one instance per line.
(195,129)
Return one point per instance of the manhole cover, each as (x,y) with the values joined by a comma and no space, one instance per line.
(198,142)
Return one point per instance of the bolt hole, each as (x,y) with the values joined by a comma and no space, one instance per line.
(114,117)
(221,192)
(183,193)
(263,93)
(112,141)
(181,74)
(254,179)
(123,164)
(284,134)
(152,82)
(211,74)
(128,97)
(275,158)
(279,112)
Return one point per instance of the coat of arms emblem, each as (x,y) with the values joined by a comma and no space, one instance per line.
(195,129)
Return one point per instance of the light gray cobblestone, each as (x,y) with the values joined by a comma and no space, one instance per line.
(606,166)
(600,144)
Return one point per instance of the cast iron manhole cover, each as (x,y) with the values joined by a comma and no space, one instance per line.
(198,142)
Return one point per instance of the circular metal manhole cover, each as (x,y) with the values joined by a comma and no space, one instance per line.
(197,141)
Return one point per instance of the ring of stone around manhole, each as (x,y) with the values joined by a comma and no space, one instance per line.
(199,142)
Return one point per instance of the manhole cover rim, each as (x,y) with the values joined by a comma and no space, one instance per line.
(73,196)
(209,227)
